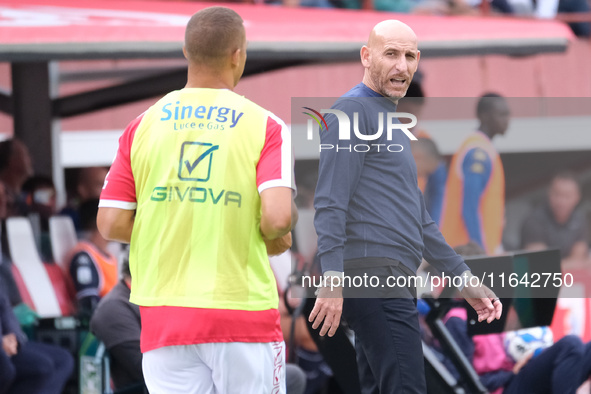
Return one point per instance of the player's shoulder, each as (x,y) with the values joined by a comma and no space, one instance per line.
(360,98)
(347,103)
(254,107)
(477,154)
(170,97)
(272,119)
(361,90)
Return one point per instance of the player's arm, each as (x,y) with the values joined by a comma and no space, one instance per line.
(276,189)
(117,205)
(115,224)
(476,168)
(279,245)
(277,212)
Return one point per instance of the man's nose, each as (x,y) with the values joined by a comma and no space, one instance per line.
(401,64)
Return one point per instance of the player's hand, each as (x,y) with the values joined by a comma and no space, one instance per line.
(10,344)
(279,245)
(484,301)
(328,308)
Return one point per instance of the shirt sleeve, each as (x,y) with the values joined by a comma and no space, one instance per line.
(338,176)
(275,166)
(119,188)
(476,168)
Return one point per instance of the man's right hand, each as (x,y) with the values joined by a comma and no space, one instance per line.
(10,344)
(328,308)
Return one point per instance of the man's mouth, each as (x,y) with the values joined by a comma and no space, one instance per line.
(397,81)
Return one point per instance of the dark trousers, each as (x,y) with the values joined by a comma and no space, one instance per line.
(388,345)
(37,368)
(556,370)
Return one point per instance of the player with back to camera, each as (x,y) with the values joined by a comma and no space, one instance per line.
(201,183)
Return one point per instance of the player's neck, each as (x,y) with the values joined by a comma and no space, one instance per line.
(200,78)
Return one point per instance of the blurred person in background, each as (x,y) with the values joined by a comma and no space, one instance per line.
(25,315)
(39,196)
(15,168)
(581,29)
(438,7)
(117,323)
(6,276)
(431,180)
(474,203)
(554,368)
(559,222)
(89,183)
(92,268)
(430,165)
(548,9)
(28,367)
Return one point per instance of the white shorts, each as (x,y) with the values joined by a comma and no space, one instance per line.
(216,368)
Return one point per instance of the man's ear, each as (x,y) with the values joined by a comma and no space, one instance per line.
(365,56)
(236,57)
(418,56)
(185,52)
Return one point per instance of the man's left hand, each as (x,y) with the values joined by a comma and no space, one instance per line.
(484,301)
